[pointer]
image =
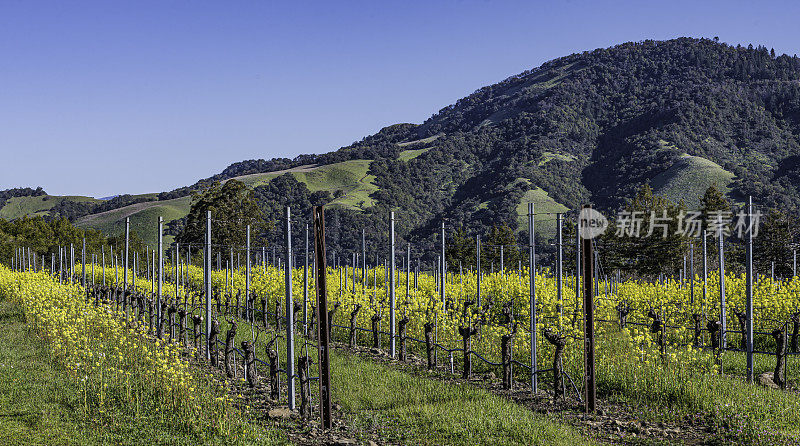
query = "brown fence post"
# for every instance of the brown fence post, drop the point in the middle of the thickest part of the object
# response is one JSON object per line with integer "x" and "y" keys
{"x": 588, "y": 261}
{"x": 376, "y": 334}
{"x": 212, "y": 342}
{"x": 466, "y": 334}
{"x": 324, "y": 329}
{"x": 305, "y": 388}
{"x": 429, "y": 344}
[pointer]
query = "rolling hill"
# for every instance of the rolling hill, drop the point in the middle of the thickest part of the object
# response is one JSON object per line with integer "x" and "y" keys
{"x": 679, "y": 115}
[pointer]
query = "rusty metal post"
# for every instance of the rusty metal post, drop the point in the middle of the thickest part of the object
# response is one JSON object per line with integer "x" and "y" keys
{"x": 322, "y": 320}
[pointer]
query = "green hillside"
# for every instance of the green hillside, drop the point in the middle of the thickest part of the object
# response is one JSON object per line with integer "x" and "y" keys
{"x": 689, "y": 178}
{"x": 408, "y": 155}
{"x": 591, "y": 127}
{"x": 17, "y": 207}
{"x": 543, "y": 204}
{"x": 144, "y": 218}
{"x": 349, "y": 178}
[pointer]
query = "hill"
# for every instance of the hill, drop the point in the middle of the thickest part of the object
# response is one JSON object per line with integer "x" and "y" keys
{"x": 589, "y": 127}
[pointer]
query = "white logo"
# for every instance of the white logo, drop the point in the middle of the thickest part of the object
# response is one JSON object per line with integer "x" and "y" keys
{"x": 592, "y": 223}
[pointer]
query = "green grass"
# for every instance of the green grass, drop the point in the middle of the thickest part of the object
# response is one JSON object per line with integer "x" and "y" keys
{"x": 427, "y": 140}
{"x": 543, "y": 203}
{"x": 741, "y": 412}
{"x": 549, "y": 156}
{"x": 144, "y": 218}
{"x": 406, "y": 408}
{"x": 409, "y": 409}
{"x": 689, "y": 178}
{"x": 349, "y": 177}
{"x": 17, "y": 207}
{"x": 40, "y": 404}
{"x": 408, "y": 155}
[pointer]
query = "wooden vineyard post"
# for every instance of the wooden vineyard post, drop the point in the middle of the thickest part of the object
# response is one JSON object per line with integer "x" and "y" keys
{"x": 305, "y": 391}
{"x": 322, "y": 321}
{"x": 588, "y": 309}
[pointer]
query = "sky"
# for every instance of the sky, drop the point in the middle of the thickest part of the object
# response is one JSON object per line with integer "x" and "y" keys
{"x": 110, "y": 97}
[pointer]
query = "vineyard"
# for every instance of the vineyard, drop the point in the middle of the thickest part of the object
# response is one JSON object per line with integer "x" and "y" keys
{"x": 669, "y": 346}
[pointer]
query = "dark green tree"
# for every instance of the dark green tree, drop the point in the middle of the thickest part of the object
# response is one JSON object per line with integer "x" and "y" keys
{"x": 461, "y": 248}
{"x": 232, "y": 208}
{"x": 646, "y": 238}
{"x": 773, "y": 243}
{"x": 499, "y": 235}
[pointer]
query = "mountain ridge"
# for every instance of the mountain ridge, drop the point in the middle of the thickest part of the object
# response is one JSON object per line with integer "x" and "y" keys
{"x": 587, "y": 127}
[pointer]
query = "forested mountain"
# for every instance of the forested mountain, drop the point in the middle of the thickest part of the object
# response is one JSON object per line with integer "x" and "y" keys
{"x": 678, "y": 115}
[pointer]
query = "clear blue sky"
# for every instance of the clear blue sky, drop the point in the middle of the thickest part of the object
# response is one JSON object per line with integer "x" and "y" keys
{"x": 108, "y": 97}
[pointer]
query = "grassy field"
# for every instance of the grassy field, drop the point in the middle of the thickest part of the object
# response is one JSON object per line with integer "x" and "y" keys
{"x": 689, "y": 178}
{"x": 410, "y": 154}
{"x": 17, "y": 207}
{"x": 427, "y": 140}
{"x": 144, "y": 218}
{"x": 740, "y": 412}
{"x": 545, "y": 225}
{"x": 549, "y": 156}
{"x": 349, "y": 177}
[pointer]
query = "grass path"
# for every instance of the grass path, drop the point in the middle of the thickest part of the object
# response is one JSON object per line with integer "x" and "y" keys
{"x": 406, "y": 408}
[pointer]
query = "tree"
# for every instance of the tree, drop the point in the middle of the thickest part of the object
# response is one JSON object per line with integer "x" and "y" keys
{"x": 713, "y": 204}
{"x": 461, "y": 249}
{"x": 772, "y": 243}
{"x": 232, "y": 208}
{"x": 44, "y": 237}
{"x": 647, "y": 238}
{"x": 499, "y": 235}
{"x": 713, "y": 201}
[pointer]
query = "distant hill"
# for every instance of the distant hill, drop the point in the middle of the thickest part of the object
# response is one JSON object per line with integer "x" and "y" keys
{"x": 679, "y": 115}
